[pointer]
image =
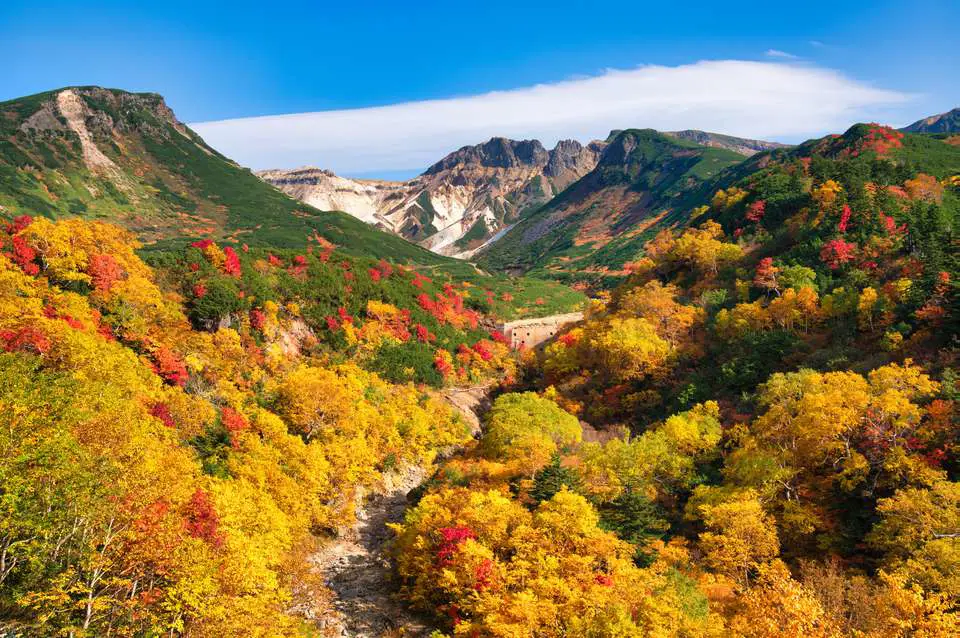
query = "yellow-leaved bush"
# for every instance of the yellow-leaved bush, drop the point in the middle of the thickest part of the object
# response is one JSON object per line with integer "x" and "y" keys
{"x": 494, "y": 568}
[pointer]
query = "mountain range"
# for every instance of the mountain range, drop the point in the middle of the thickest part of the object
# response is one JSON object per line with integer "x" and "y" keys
{"x": 458, "y": 203}
{"x": 472, "y": 196}
{"x": 575, "y": 213}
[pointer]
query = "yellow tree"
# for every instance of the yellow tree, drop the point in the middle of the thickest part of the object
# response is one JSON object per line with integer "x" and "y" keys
{"x": 740, "y": 537}
{"x": 919, "y": 531}
{"x": 626, "y": 349}
{"x": 528, "y": 429}
{"x": 777, "y": 605}
{"x": 658, "y": 304}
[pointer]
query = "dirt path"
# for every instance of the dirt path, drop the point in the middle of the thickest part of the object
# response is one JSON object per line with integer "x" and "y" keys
{"x": 356, "y": 566}
{"x": 471, "y": 402}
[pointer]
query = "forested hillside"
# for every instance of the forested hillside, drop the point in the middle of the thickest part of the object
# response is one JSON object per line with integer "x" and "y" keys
{"x": 180, "y": 439}
{"x": 768, "y": 439}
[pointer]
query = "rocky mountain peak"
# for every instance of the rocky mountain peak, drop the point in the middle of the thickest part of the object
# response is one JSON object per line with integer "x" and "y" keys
{"x": 498, "y": 152}
{"x": 571, "y": 155}
{"x": 619, "y": 148}
{"x": 106, "y": 112}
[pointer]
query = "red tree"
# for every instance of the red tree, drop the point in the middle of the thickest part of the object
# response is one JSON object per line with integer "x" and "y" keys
{"x": 837, "y": 252}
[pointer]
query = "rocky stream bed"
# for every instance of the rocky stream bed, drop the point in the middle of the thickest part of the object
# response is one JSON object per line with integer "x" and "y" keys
{"x": 356, "y": 565}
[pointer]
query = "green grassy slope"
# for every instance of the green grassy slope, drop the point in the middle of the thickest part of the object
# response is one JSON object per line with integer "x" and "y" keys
{"x": 170, "y": 186}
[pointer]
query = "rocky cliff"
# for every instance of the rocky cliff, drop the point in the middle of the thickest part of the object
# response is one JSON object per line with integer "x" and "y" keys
{"x": 458, "y": 204}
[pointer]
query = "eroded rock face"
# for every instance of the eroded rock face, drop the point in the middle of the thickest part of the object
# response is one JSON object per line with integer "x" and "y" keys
{"x": 76, "y": 114}
{"x": 459, "y": 203}
{"x": 367, "y": 200}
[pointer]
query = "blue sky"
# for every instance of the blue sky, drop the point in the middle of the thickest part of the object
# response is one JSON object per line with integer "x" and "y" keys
{"x": 220, "y": 61}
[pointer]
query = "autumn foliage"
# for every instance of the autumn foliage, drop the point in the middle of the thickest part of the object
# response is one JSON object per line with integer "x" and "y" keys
{"x": 146, "y": 488}
{"x": 755, "y": 435}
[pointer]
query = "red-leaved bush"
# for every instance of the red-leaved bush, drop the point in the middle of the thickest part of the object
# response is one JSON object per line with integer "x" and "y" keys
{"x": 837, "y": 252}
{"x": 450, "y": 539}
{"x": 201, "y": 520}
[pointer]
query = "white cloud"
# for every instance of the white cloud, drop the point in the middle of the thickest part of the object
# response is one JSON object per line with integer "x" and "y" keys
{"x": 783, "y": 55}
{"x": 769, "y": 100}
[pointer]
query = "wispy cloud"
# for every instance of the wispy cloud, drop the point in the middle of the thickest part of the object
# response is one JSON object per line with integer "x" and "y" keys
{"x": 782, "y": 55}
{"x": 751, "y": 99}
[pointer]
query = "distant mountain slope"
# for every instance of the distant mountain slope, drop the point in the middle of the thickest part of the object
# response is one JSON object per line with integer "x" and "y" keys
{"x": 739, "y": 145}
{"x": 948, "y": 122}
{"x": 643, "y": 180}
{"x": 124, "y": 157}
{"x": 465, "y": 201}
{"x": 460, "y": 202}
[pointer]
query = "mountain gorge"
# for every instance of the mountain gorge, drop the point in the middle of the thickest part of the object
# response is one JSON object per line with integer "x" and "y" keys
{"x": 460, "y": 202}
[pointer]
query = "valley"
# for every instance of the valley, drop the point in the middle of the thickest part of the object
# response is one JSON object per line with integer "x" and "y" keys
{"x": 673, "y": 384}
